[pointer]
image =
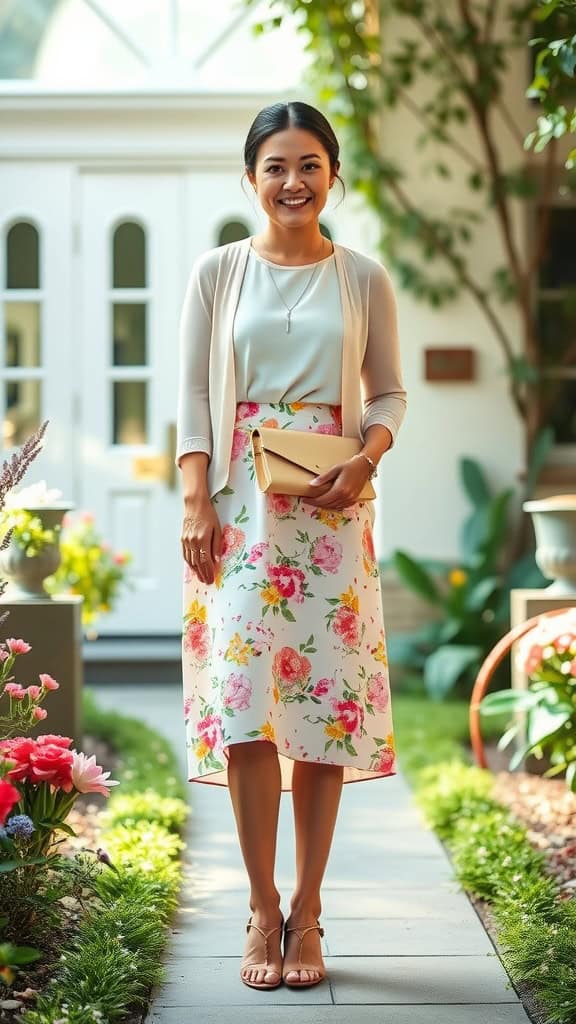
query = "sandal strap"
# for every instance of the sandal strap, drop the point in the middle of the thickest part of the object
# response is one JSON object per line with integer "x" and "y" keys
{"x": 301, "y": 932}
{"x": 265, "y": 934}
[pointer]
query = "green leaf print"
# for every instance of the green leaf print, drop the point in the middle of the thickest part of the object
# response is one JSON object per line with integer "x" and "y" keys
{"x": 227, "y": 490}
{"x": 242, "y": 516}
{"x": 254, "y": 732}
{"x": 328, "y": 745}
{"x": 349, "y": 747}
{"x": 287, "y": 614}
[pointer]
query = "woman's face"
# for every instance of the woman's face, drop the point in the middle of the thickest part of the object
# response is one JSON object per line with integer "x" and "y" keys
{"x": 292, "y": 164}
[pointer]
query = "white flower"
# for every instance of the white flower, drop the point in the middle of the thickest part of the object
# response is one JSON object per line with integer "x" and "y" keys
{"x": 35, "y": 494}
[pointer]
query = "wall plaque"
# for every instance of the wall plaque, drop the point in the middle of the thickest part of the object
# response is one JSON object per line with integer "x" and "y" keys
{"x": 449, "y": 364}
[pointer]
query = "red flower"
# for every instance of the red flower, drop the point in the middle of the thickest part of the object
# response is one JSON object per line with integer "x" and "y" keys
{"x": 290, "y": 666}
{"x": 287, "y": 580}
{"x": 386, "y": 757}
{"x": 20, "y": 750}
{"x": 246, "y": 409}
{"x": 368, "y": 543}
{"x": 232, "y": 540}
{"x": 346, "y": 625}
{"x": 52, "y": 763}
{"x": 9, "y": 796}
{"x": 350, "y": 714}
{"x": 197, "y": 640}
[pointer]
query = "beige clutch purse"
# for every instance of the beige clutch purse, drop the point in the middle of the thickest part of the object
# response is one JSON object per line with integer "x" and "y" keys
{"x": 286, "y": 460}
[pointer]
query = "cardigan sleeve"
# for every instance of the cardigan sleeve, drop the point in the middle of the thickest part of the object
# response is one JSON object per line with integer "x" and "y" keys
{"x": 384, "y": 394}
{"x": 193, "y": 427}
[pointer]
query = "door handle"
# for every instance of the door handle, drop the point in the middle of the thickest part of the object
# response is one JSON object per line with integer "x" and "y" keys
{"x": 159, "y": 467}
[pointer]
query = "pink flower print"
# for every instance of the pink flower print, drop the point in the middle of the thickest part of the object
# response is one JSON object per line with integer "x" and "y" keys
{"x": 209, "y": 729}
{"x": 322, "y": 687}
{"x": 291, "y": 671}
{"x": 377, "y": 693}
{"x": 244, "y": 410}
{"x": 288, "y": 581}
{"x": 197, "y": 640}
{"x": 386, "y": 759}
{"x": 187, "y": 706}
{"x": 240, "y": 441}
{"x": 350, "y": 714}
{"x": 327, "y": 553}
{"x": 346, "y": 625}
{"x": 280, "y": 504}
{"x": 233, "y": 540}
{"x": 326, "y": 428}
{"x": 257, "y": 551}
{"x": 237, "y": 692}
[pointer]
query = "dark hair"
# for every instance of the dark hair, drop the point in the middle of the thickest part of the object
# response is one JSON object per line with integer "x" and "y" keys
{"x": 294, "y": 114}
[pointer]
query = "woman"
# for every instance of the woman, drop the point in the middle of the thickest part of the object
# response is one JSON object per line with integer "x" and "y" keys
{"x": 284, "y": 659}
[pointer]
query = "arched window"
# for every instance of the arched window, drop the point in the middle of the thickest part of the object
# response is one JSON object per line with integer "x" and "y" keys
{"x": 129, "y": 302}
{"x": 21, "y": 352}
{"x": 232, "y": 231}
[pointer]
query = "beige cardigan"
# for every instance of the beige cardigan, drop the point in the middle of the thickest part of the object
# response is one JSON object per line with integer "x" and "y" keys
{"x": 372, "y": 387}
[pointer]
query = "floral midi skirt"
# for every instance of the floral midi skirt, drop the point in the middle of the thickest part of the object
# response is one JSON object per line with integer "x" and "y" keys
{"x": 287, "y": 646}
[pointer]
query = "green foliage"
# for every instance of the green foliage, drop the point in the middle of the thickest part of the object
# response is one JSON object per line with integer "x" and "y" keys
{"x": 27, "y": 531}
{"x": 490, "y": 853}
{"x": 449, "y": 791}
{"x": 131, "y": 808}
{"x": 554, "y": 74}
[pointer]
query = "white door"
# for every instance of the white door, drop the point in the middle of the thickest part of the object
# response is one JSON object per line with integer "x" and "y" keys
{"x": 132, "y": 280}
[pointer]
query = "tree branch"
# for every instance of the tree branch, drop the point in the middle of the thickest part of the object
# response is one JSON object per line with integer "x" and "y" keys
{"x": 448, "y": 140}
{"x": 543, "y": 220}
{"x": 510, "y": 123}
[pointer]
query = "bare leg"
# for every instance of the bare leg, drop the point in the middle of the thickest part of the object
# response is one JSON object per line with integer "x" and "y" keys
{"x": 254, "y": 783}
{"x": 316, "y": 791}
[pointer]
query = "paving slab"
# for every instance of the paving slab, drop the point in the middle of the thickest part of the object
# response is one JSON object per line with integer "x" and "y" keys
{"x": 403, "y": 943}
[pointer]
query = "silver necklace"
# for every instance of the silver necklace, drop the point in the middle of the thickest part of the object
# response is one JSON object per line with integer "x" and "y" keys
{"x": 293, "y": 306}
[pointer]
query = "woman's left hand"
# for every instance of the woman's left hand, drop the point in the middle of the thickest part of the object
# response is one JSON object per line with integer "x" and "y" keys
{"x": 348, "y": 479}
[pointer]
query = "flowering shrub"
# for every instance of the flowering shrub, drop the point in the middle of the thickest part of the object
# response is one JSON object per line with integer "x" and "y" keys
{"x": 24, "y": 702}
{"x": 88, "y": 567}
{"x": 547, "y": 654}
{"x": 28, "y": 532}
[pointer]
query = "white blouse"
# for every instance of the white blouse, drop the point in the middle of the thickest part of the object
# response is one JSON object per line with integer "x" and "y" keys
{"x": 304, "y": 364}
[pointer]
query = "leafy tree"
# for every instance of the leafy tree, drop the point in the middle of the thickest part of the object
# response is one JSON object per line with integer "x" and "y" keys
{"x": 556, "y": 59}
{"x": 446, "y": 64}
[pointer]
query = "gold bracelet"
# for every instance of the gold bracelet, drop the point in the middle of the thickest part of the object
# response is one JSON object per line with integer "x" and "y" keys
{"x": 373, "y": 466}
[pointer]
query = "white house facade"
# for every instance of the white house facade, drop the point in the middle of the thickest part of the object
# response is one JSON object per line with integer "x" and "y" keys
{"x": 119, "y": 163}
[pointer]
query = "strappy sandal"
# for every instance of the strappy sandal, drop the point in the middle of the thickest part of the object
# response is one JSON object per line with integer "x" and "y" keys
{"x": 301, "y": 932}
{"x": 263, "y": 964}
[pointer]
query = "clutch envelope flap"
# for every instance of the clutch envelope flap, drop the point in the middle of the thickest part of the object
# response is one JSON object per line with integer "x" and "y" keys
{"x": 316, "y": 452}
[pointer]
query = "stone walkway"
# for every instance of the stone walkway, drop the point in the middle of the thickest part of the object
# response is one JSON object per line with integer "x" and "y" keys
{"x": 403, "y": 943}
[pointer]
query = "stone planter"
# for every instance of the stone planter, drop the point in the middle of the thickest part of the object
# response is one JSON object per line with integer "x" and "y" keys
{"x": 26, "y": 575}
{"x": 555, "y": 528}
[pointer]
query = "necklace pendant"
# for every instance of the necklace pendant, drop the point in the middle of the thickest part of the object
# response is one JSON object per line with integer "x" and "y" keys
{"x": 288, "y": 322}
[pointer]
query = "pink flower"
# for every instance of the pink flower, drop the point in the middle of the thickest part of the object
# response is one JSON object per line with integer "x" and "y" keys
{"x": 322, "y": 687}
{"x": 120, "y": 558}
{"x": 209, "y": 729}
{"x": 386, "y": 758}
{"x": 256, "y": 552}
{"x": 246, "y": 409}
{"x": 233, "y": 540}
{"x": 39, "y": 713}
{"x": 377, "y": 693}
{"x": 34, "y": 692}
{"x": 56, "y": 741}
{"x": 87, "y": 518}
{"x": 9, "y": 796}
{"x": 350, "y": 714}
{"x": 562, "y": 643}
{"x": 48, "y": 682}
{"x": 346, "y": 625}
{"x": 289, "y": 667}
{"x": 327, "y": 553}
{"x": 237, "y": 692}
{"x": 326, "y": 428}
{"x": 197, "y": 640}
{"x": 288, "y": 581}
{"x": 15, "y": 691}
{"x": 280, "y": 504}
{"x": 187, "y": 706}
{"x": 88, "y": 777}
{"x": 17, "y": 646}
{"x": 4, "y": 655}
{"x": 240, "y": 441}
{"x": 14, "y": 688}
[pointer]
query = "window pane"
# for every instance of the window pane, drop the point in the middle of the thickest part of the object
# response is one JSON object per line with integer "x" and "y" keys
{"x": 22, "y": 415}
{"x": 22, "y": 260}
{"x": 557, "y": 331}
{"x": 22, "y": 334}
{"x": 129, "y": 329}
{"x": 129, "y": 257}
{"x": 558, "y": 268}
{"x": 130, "y": 414}
{"x": 562, "y": 415}
{"x": 232, "y": 231}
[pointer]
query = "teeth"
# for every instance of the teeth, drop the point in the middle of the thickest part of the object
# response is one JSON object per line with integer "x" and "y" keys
{"x": 294, "y": 202}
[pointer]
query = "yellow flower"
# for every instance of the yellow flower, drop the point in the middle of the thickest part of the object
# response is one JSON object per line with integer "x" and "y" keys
{"x": 267, "y": 730}
{"x": 237, "y": 651}
{"x": 330, "y": 518}
{"x": 336, "y": 731}
{"x": 458, "y": 577}
{"x": 270, "y": 595}
{"x": 350, "y": 599}
{"x": 202, "y": 749}
{"x": 197, "y": 612}
{"x": 297, "y": 405}
{"x": 379, "y": 653}
{"x": 390, "y": 740}
{"x": 275, "y": 693}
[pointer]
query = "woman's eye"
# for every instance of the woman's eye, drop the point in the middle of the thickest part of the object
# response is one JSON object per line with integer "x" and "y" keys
{"x": 274, "y": 167}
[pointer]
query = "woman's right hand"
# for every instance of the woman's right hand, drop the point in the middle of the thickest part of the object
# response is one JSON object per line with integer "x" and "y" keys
{"x": 202, "y": 539}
